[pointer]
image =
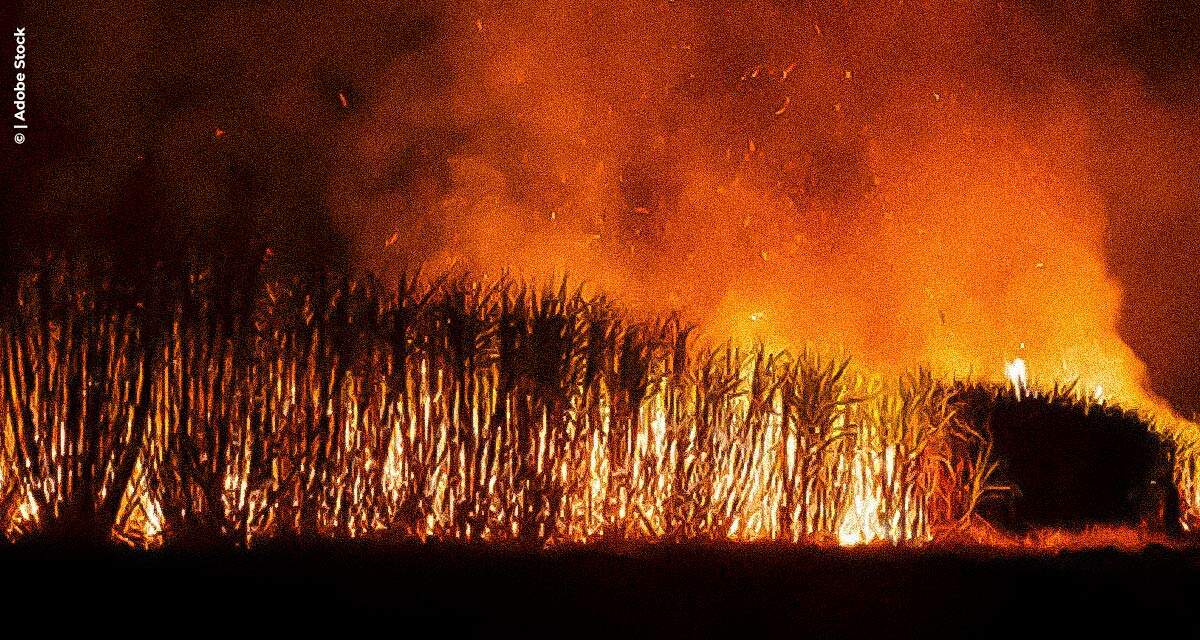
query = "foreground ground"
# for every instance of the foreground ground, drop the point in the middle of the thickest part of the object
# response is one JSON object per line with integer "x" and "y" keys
{"x": 692, "y": 591}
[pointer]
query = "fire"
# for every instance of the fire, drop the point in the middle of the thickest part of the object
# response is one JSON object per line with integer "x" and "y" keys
{"x": 855, "y": 178}
{"x": 1017, "y": 375}
{"x": 811, "y": 184}
{"x": 862, "y": 523}
{"x": 490, "y": 412}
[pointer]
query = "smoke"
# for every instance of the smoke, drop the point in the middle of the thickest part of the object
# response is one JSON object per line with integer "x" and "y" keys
{"x": 937, "y": 182}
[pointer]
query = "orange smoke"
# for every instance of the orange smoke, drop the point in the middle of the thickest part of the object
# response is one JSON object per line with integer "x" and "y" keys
{"x": 908, "y": 180}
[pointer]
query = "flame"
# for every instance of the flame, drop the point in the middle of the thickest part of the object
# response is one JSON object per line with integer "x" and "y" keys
{"x": 863, "y": 522}
{"x": 1017, "y": 375}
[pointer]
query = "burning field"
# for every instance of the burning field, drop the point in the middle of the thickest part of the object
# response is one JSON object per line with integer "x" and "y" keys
{"x": 570, "y": 284}
{"x": 193, "y": 411}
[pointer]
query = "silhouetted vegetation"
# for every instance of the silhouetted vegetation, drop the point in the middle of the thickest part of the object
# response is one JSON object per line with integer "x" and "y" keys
{"x": 1072, "y": 461}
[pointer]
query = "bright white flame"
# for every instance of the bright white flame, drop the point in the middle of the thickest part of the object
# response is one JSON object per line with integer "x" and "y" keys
{"x": 1015, "y": 371}
{"x": 865, "y": 522}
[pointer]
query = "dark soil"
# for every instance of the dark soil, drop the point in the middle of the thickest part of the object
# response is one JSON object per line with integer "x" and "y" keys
{"x": 730, "y": 591}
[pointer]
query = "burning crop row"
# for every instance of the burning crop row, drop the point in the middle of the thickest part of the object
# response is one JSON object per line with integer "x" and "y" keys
{"x": 182, "y": 412}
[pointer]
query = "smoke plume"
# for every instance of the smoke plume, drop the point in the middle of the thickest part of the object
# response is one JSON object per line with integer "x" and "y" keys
{"x": 954, "y": 183}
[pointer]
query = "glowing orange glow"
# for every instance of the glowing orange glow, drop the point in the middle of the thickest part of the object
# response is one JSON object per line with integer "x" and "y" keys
{"x": 924, "y": 215}
{"x": 796, "y": 185}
